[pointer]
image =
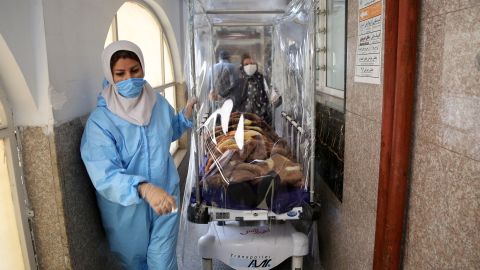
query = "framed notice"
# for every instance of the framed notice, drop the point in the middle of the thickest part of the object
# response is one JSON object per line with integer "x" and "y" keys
{"x": 369, "y": 46}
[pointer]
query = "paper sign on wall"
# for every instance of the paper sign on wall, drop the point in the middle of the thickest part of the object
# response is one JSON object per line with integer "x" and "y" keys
{"x": 369, "y": 46}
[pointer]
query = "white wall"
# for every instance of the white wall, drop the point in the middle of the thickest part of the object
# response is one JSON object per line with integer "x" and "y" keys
{"x": 23, "y": 61}
{"x": 75, "y": 35}
{"x": 173, "y": 26}
{"x": 57, "y": 47}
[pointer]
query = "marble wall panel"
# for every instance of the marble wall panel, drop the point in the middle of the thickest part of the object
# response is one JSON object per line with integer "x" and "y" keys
{"x": 346, "y": 232}
{"x": 42, "y": 189}
{"x": 329, "y": 227}
{"x": 361, "y": 98}
{"x": 444, "y": 210}
{"x": 443, "y": 214}
{"x": 347, "y": 229}
{"x": 352, "y": 19}
{"x": 362, "y": 158}
{"x": 358, "y": 237}
{"x": 435, "y": 7}
{"x": 449, "y": 88}
{"x": 87, "y": 242}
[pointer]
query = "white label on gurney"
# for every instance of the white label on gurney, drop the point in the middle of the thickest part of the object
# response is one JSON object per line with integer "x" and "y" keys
{"x": 250, "y": 262}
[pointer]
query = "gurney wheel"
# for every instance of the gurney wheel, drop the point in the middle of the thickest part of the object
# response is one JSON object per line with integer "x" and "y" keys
{"x": 297, "y": 262}
{"x": 207, "y": 264}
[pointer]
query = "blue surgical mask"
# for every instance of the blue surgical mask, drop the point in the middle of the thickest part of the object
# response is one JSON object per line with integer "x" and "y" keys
{"x": 130, "y": 88}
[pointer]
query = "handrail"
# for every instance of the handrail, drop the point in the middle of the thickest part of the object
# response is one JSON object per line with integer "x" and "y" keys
{"x": 401, "y": 19}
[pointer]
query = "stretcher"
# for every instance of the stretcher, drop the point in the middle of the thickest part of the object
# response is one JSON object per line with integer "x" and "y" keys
{"x": 249, "y": 179}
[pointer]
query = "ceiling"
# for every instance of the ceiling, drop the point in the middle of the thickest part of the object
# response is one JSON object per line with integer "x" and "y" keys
{"x": 241, "y": 12}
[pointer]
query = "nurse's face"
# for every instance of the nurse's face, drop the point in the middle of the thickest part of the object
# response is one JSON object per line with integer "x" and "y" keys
{"x": 126, "y": 68}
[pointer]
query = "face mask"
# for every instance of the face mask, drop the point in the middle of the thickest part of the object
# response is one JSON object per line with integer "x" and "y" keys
{"x": 250, "y": 69}
{"x": 130, "y": 88}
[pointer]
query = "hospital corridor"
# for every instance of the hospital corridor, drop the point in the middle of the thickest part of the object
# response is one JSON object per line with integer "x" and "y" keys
{"x": 239, "y": 134}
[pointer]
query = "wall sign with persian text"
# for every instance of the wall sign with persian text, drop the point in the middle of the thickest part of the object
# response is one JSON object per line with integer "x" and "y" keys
{"x": 368, "y": 64}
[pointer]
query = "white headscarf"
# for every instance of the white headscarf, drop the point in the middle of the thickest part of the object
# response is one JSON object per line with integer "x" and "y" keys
{"x": 136, "y": 110}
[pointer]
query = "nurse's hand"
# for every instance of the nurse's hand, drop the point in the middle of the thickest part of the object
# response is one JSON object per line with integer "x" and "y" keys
{"x": 189, "y": 108}
{"x": 160, "y": 201}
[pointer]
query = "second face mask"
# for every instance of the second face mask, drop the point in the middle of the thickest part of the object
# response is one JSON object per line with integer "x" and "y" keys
{"x": 250, "y": 69}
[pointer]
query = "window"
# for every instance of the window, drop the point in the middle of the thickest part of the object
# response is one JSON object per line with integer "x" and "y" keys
{"x": 3, "y": 118}
{"x": 335, "y": 73}
{"x": 331, "y": 50}
{"x": 330, "y": 57}
{"x": 148, "y": 34}
{"x": 16, "y": 248}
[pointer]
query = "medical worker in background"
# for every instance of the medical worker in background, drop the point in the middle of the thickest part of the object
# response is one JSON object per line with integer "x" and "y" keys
{"x": 225, "y": 76}
{"x": 125, "y": 148}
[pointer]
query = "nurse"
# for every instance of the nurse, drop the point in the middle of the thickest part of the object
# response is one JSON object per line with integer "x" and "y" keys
{"x": 125, "y": 148}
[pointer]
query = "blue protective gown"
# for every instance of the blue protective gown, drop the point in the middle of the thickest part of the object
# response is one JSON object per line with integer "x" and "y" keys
{"x": 118, "y": 156}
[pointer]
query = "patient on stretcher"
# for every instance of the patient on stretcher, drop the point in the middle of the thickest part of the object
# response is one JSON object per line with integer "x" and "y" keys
{"x": 260, "y": 170}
